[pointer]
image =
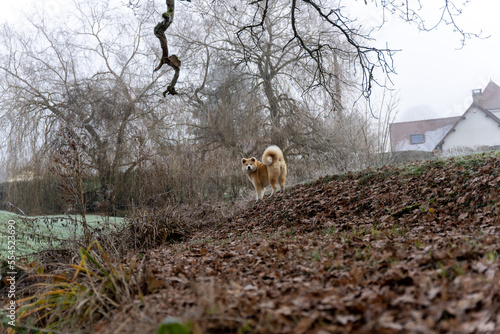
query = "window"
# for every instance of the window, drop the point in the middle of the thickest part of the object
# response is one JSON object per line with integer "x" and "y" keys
{"x": 417, "y": 139}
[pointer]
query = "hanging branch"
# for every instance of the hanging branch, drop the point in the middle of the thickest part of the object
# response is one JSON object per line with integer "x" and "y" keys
{"x": 172, "y": 61}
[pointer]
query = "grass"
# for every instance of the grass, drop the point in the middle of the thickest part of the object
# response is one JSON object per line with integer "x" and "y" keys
{"x": 35, "y": 234}
{"x": 492, "y": 256}
{"x": 64, "y": 301}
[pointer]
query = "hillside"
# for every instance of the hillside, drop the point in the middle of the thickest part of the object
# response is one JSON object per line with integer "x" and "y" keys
{"x": 413, "y": 248}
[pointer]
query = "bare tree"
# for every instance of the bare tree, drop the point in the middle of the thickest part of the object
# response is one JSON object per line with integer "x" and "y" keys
{"x": 372, "y": 65}
{"x": 276, "y": 76}
{"x": 87, "y": 73}
{"x": 228, "y": 112}
{"x": 350, "y": 37}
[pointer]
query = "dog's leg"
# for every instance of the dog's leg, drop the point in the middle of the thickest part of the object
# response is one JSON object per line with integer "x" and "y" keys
{"x": 274, "y": 189}
{"x": 282, "y": 182}
{"x": 260, "y": 193}
{"x": 282, "y": 176}
{"x": 273, "y": 180}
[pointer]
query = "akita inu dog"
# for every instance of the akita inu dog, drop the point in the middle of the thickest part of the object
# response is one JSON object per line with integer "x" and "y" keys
{"x": 270, "y": 171}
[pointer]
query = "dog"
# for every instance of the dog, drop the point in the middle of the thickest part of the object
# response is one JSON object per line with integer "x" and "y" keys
{"x": 271, "y": 171}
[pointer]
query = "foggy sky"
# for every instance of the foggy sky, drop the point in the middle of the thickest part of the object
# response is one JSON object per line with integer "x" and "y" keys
{"x": 434, "y": 76}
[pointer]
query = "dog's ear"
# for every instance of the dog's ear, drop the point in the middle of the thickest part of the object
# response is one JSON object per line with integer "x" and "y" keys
{"x": 243, "y": 160}
{"x": 253, "y": 159}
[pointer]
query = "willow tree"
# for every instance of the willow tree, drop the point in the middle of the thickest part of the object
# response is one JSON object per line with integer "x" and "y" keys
{"x": 88, "y": 72}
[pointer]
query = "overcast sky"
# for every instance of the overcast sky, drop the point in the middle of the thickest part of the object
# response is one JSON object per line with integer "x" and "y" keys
{"x": 434, "y": 76}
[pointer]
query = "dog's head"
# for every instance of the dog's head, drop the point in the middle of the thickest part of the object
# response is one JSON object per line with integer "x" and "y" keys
{"x": 249, "y": 165}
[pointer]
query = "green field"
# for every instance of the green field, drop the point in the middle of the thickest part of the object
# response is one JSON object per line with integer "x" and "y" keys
{"x": 37, "y": 233}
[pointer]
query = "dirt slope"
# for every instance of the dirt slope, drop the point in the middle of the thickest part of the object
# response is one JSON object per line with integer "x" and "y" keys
{"x": 409, "y": 249}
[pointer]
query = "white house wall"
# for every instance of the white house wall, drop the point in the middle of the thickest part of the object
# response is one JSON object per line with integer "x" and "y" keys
{"x": 477, "y": 129}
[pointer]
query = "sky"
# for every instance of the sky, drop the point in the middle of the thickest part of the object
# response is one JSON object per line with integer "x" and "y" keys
{"x": 435, "y": 75}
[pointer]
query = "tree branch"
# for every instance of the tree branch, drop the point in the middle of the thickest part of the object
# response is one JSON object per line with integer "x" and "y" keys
{"x": 172, "y": 61}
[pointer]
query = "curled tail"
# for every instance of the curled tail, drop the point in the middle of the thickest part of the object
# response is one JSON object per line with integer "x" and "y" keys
{"x": 271, "y": 155}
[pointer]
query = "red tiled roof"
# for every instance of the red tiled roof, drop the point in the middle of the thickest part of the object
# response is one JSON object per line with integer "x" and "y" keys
{"x": 490, "y": 97}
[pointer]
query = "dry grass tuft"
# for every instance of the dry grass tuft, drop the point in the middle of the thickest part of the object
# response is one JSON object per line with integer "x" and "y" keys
{"x": 80, "y": 294}
{"x": 151, "y": 227}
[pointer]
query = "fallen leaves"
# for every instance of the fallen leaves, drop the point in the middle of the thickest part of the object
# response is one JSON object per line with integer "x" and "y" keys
{"x": 398, "y": 249}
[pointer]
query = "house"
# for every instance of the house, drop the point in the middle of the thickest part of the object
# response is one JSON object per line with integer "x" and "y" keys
{"x": 476, "y": 130}
{"x": 421, "y": 135}
{"x": 479, "y": 127}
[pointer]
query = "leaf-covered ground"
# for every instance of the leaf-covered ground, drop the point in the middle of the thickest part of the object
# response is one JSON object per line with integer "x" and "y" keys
{"x": 413, "y": 248}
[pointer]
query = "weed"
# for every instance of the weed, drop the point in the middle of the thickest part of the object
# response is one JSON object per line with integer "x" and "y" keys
{"x": 443, "y": 273}
{"x": 245, "y": 328}
{"x": 67, "y": 302}
{"x": 375, "y": 231}
{"x": 346, "y": 236}
{"x": 397, "y": 230}
{"x": 334, "y": 267}
{"x": 173, "y": 326}
{"x": 415, "y": 170}
{"x": 330, "y": 231}
{"x": 458, "y": 269}
{"x": 367, "y": 176}
{"x": 474, "y": 244}
{"x": 316, "y": 256}
{"x": 492, "y": 256}
{"x": 327, "y": 178}
{"x": 330, "y": 254}
{"x": 360, "y": 256}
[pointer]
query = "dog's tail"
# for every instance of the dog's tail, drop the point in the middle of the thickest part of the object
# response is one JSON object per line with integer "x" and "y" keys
{"x": 271, "y": 155}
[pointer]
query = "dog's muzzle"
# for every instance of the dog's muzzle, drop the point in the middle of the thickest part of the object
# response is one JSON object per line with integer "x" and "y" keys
{"x": 249, "y": 167}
